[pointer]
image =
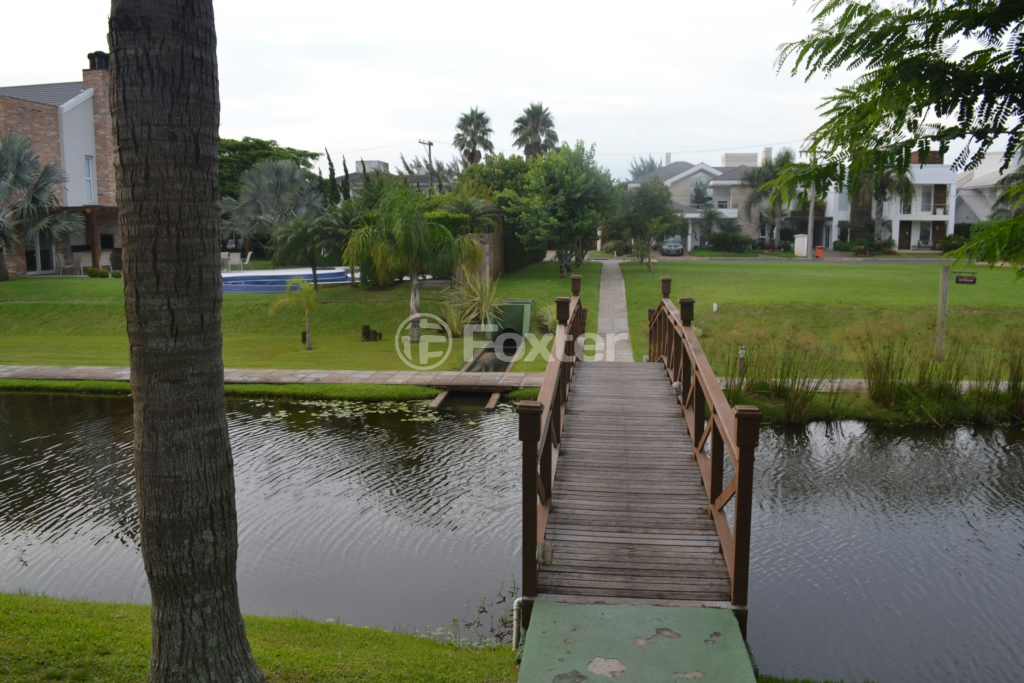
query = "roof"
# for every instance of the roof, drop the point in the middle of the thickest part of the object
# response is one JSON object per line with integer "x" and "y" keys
{"x": 664, "y": 173}
{"x": 730, "y": 173}
{"x": 54, "y": 94}
{"x": 987, "y": 180}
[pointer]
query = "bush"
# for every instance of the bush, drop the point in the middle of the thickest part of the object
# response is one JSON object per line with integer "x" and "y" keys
{"x": 962, "y": 229}
{"x": 951, "y": 242}
{"x": 456, "y": 223}
{"x": 735, "y": 244}
{"x": 116, "y": 274}
{"x": 548, "y": 319}
{"x": 785, "y": 245}
{"x": 844, "y": 230}
{"x": 866, "y": 247}
{"x": 103, "y": 273}
{"x": 618, "y": 247}
{"x": 93, "y": 272}
{"x": 786, "y": 234}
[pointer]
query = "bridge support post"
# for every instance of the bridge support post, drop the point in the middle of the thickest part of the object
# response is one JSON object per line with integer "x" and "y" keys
{"x": 686, "y": 315}
{"x": 748, "y": 424}
{"x": 529, "y": 433}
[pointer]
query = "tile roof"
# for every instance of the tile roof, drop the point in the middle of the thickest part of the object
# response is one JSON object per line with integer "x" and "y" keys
{"x": 730, "y": 173}
{"x": 665, "y": 172}
{"x": 45, "y": 93}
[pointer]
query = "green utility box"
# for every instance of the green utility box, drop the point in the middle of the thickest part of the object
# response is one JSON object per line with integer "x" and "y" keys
{"x": 515, "y": 315}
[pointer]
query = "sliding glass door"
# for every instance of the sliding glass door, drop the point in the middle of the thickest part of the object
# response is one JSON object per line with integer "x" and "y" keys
{"x": 38, "y": 256}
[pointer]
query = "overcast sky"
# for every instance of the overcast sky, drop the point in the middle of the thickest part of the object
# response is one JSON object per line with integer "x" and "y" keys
{"x": 369, "y": 79}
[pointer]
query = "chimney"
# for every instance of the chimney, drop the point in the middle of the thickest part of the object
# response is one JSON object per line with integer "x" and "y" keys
{"x": 668, "y": 158}
{"x": 99, "y": 60}
{"x": 766, "y": 156}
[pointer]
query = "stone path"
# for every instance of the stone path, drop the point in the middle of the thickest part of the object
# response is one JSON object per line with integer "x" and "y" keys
{"x": 466, "y": 381}
{"x": 611, "y": 315}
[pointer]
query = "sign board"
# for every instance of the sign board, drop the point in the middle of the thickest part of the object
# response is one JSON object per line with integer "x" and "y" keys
{"x": 966, "y": 280}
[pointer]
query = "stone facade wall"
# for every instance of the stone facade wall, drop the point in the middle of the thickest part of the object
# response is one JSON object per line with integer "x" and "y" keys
{"x": 35, "y": 121}
{"x": 99, "y": 81}
{"x": 737, "y": 195}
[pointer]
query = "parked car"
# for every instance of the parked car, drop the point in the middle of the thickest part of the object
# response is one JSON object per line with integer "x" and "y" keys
{"x": 673, "y": 246}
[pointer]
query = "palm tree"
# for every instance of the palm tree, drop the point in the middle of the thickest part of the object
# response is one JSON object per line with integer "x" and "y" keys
{"x": 534, "y": 131}
{"x": 709, "y": 218}
{"x": 882, "y": 183}
{"x": 274, "y": 192}
{"x": 310, "y": 235}
{"x": 481, "y": 212}
{"x": 28, "y": 199}
{"x": 473, "y": 133}
{"x": 163, "y": 68}
{"x": 761, "y": 197}
{"x": 398, "y": 240}
{"x": 303, "y": 296}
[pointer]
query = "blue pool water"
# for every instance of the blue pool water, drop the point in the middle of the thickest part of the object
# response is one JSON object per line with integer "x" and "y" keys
{"x": 275, "y": 282}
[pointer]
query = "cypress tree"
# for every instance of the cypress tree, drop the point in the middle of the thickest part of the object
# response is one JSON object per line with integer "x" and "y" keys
{"x": 346, "y": 192}
{"x": 333, "y": 194}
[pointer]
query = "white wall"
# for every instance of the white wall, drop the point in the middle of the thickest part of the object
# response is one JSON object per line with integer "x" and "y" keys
{"x": 77, "y": 141}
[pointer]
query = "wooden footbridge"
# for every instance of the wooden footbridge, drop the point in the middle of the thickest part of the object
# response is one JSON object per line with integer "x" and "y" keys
{"x": 637, "y": 477}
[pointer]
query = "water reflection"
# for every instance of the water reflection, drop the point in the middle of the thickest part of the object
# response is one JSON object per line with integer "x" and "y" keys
{"x": 368, "y": 513}
{"x": 888, "y": 554}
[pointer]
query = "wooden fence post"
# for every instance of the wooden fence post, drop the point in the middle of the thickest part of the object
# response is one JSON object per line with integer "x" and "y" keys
{"x": 686, "y": 311}
{"x": 666, "y": 287}
{"x": 576, "y": 279}
{"x": 748, "y": 425}
{"x": 529, "y": 433}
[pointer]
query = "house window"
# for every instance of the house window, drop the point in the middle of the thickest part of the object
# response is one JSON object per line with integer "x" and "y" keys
{"x": 926, "y": 199}
{"x": 106, "y": 241}
{"x": 844, "y": 201}
{"x": 90, "y": 192}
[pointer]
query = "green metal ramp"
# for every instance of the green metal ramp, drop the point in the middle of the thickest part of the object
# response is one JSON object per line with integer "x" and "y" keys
{"x": 576, "y": 643}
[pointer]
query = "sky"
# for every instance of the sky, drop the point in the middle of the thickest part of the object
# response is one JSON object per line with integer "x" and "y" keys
{"x": 369, "y": 79}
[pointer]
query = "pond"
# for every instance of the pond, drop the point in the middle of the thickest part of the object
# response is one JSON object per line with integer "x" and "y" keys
{"x": 878, "y": 553}
{"x": 356, "y": 512}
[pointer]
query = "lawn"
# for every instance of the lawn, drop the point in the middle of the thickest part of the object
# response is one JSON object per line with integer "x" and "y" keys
{"x": 80, "y": 321}
{"x": 828, "y": 307}
{"x": 48, "y": 639}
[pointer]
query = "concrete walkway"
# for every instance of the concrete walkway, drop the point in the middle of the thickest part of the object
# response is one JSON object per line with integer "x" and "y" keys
{"x": 466, "y": 381}
{"x": 611, "y": 314}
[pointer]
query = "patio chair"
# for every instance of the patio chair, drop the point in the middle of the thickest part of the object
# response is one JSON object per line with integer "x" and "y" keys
{"x": 84, "y": 261}
{"x": 223, "y": 260}
{"x": 65, "y": 264}
{"x": 234, "y": 259}
{"x": 245, "y": 263}
{"x": 105, "y": 261}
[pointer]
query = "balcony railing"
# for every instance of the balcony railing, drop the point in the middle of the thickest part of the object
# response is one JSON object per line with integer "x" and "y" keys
{"x": 926, "y": 208}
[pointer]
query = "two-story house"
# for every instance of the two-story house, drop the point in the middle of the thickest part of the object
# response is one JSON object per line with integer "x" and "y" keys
{"x": 723, "y": 187}
{"x": 917, "y": 224}
{"x": 69, "y": 125}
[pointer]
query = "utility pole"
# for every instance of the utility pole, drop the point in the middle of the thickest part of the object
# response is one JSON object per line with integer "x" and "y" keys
{"x": 940, "y": 324}
{"x": 430, "y": 162}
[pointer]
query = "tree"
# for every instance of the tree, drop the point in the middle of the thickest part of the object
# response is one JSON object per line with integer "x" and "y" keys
{"x": 346, "y": 187}
{"x": 332, "y": 193}
{"x": 302, "y": 296}
{"x": 238, "y": 156}
{"x": 759, "y": 179}
{"x": 534, "y": 131}
{"x": 647, "y": 216}
{"x": 882, "y": 182}
{"x": 398, "y": 240}
{"x": 163, "y": 68}
{"x": 640, "y": 166}
{"x": 473, "y": 133}
{"x": 29, "y": 207}
{"x": 309, "y": 235}
{"x": 708, "y": 220}
{"x": 274, "y": 192}
{"x": 934, "y": 72}
{"x": 573, "y": 198}
{"x": 497, "y": 173}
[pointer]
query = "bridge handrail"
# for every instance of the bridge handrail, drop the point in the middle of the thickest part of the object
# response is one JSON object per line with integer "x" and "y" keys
{"x": 540, "y": 430}
{"x": 732, "y": 431}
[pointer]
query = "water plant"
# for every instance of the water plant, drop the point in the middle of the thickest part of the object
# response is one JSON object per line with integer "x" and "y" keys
{"x": 1014, "y": 361}
{"x": 887, "y": 368}
{"x": 984, "y": 393}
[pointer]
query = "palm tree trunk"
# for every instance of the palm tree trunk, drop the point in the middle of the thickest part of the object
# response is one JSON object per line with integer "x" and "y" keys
{"x": 878, "y": 219}
{"x": 309, "y": 332}
{"x": 4, "y": 275}
{"x": 414, "y": 309}
{"x": 164, "y": 68}
{"x": 312, "y": 264}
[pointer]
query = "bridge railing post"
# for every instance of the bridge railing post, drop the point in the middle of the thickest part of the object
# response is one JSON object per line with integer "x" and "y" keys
{"x": 529, "y": 433}
{"x": 686, "y": 315}
{"x": 748, "y": 424}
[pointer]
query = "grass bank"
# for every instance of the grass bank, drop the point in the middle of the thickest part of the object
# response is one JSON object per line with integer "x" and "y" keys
{"x": 49, "y": 639}
{"x": 336, "y": 392}
{"x": 80, "y": 321}
{"x": 827, "y": 308}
